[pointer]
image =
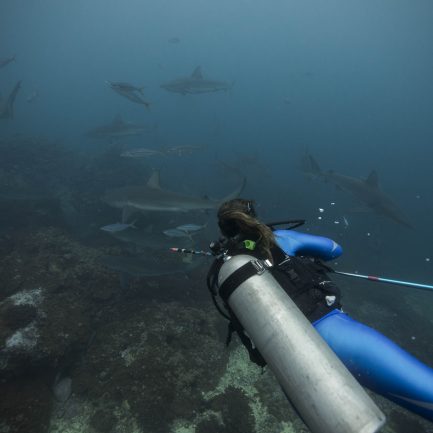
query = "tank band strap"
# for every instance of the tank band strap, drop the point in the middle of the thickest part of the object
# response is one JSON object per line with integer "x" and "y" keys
{"x": 249, "y": 269}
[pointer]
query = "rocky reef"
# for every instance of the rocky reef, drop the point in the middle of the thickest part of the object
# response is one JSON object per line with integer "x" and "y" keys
{"x": 79, "y": 353}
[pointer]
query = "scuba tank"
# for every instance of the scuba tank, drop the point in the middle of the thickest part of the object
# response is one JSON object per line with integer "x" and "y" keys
{"x": 323, "y": 391}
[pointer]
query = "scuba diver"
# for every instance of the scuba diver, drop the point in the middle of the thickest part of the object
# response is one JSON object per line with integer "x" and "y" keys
{"x": 295, "y": 260}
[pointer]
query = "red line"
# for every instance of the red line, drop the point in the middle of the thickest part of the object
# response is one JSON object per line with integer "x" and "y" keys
{"x": 371, "y": 277}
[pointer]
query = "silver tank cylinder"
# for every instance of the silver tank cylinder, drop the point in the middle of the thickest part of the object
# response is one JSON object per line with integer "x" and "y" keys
{"x": 325, "y": 393}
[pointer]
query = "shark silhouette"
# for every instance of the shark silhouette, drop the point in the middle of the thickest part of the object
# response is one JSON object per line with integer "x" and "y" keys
{"x": 152, "y": 197}
{"x": 366, "y": 191}
{"x": 195, "y": 84}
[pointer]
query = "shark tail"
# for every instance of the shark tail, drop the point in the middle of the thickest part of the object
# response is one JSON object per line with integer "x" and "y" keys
{"x": 236, "y": 193}
{"x": 310, "y": 166}
{"x": 132, "y": 225}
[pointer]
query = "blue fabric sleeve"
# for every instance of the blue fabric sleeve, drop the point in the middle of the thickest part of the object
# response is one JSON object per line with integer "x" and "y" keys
{"x": 303, "y": 244}
{"x": 378, "y": 363}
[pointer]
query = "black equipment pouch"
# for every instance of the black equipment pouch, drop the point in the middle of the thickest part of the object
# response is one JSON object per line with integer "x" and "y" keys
{"x": 307, "y": 283}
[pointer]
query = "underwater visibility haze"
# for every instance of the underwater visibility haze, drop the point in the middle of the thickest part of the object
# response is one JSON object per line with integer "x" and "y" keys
{"x": 123, "y": 127}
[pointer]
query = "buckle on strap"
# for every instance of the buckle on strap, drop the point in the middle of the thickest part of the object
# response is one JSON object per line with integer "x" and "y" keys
{"x": 261, "y": 265}
{"x": 248, "y": 270}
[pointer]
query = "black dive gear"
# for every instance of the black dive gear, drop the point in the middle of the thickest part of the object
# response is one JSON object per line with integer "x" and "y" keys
{"x": 304, "y": 279}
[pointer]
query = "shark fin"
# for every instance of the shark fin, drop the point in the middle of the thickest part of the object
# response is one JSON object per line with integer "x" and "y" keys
{"x": 197, "y": 75}
{"x": 372, "y": 179}
{"x": 153, "y": 181}
{"x": 132, "y": 225}
{"x": 314, "y": 166}
{"x": 127, "y": 211}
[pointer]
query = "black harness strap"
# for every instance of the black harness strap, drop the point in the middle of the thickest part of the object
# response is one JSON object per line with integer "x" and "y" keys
{"x": 242, "y": 274}
{"x": 211, "y": 280}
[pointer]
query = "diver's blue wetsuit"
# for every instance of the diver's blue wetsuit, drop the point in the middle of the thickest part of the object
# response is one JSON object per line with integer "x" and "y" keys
{"x": 376, "y": 361}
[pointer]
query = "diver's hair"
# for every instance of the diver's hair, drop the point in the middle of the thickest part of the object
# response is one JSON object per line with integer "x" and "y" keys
{"x": 238, "y": 216}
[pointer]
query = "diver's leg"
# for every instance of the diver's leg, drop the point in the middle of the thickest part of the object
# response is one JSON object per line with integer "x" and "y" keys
{"x": 379, "y": 363}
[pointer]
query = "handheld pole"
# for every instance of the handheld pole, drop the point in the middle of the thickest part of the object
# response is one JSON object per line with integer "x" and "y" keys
{"x": 347, "y": 274}
{"x": 386, "y": 280}
{"x": 187, "y": 251}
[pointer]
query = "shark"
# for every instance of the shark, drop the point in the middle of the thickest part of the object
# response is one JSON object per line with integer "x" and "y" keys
{"x": 117, "y": 128}
{"x": 7, "y": 106}
{"x": 152, "y": 197}
{"x": 5, "y": 61}
{"x": 366, "y": 191}
{"x": 196, "y": 84}
{"x": 129, "y": 91}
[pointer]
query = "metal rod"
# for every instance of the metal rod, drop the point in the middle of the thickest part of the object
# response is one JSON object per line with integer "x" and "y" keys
{"x": 347, "y": 274}
{"x": 187, "y": 251}
{"x": 387, "y": 280}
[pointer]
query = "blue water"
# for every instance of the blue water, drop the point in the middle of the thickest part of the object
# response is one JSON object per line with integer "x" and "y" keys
{"x": 350, "y": 82}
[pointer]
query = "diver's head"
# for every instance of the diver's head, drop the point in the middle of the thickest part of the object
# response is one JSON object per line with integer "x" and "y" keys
{"x": 237, "y": 221}
{"x": 233, "y": 215}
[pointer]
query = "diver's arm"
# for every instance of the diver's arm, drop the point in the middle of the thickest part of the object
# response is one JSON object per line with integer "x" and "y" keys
{"x": 303, "y": 244}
